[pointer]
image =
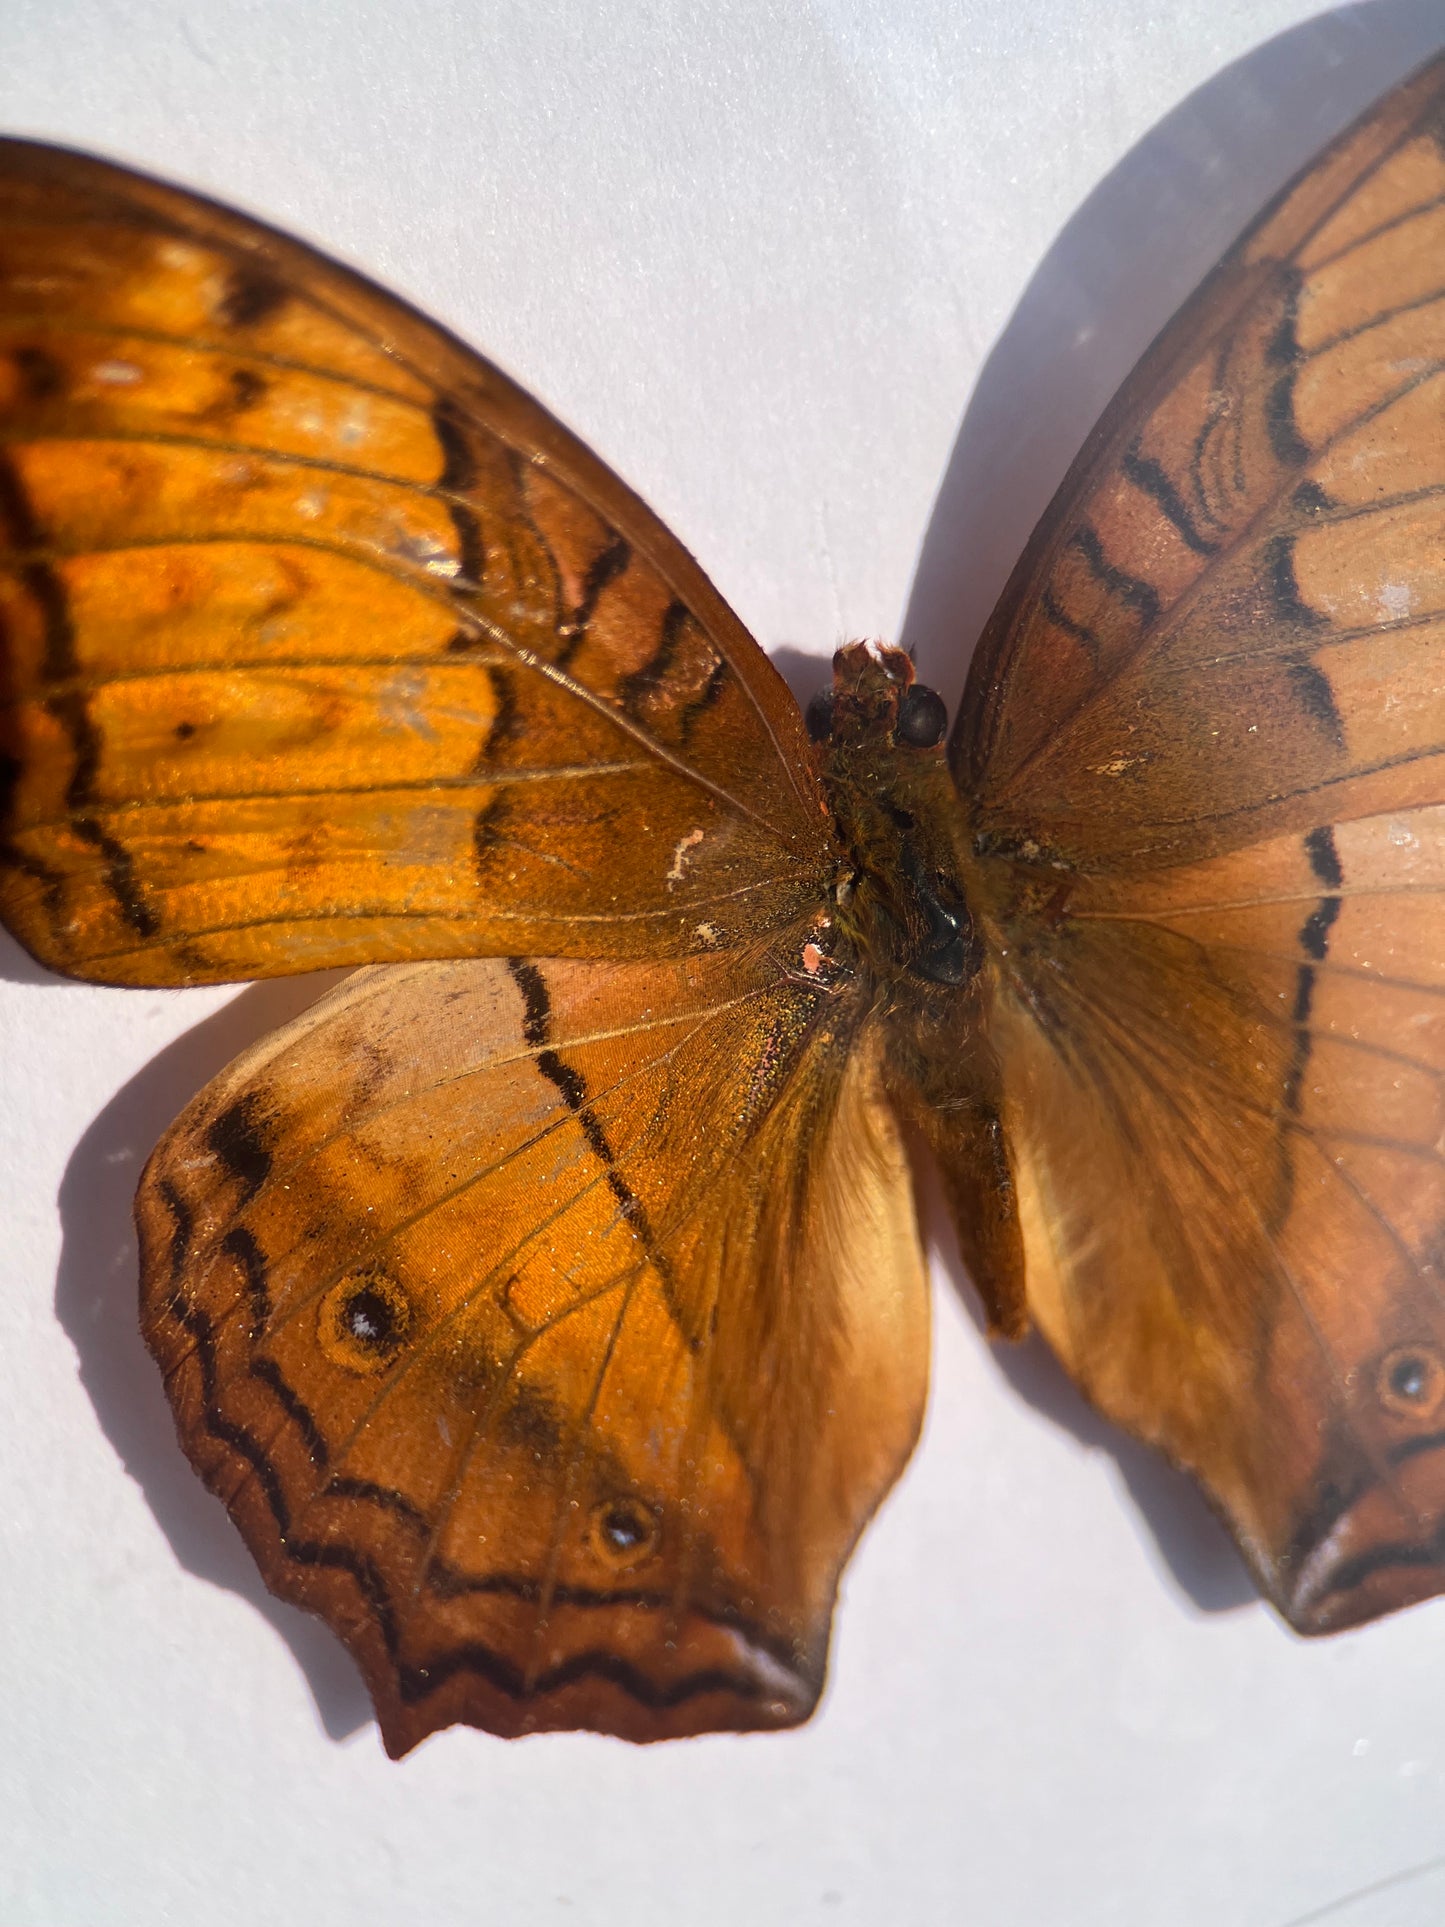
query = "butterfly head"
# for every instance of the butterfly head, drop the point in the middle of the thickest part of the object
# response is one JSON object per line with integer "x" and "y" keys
{"x": 879, "y": 737}
{"x": 875, "y": 700}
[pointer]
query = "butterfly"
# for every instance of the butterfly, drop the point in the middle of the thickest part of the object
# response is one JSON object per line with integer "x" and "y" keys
{"x": 547, "y": 1303}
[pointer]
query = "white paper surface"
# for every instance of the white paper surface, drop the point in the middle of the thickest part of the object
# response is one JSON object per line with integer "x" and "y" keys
{"x": 839, "y": 286}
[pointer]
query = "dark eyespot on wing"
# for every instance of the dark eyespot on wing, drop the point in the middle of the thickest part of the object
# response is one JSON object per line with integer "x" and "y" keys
{"x": 623, "y": 1532}
{"x": 1410, "y": 1383}
{"x": 370, "y": 1320}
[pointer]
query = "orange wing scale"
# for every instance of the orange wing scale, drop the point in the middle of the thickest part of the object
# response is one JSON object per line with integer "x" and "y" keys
{"x": 326, "y": 645}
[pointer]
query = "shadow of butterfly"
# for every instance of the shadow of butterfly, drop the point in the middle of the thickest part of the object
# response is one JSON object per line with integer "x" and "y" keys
{"x": 547, "y": 1303}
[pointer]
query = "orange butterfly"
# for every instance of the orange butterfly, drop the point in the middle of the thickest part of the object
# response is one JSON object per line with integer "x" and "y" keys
{"x": 548, "y": 1307}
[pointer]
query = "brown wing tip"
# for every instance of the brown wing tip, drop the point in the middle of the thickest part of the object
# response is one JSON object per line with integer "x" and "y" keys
{"x": 1368, "y": 1552}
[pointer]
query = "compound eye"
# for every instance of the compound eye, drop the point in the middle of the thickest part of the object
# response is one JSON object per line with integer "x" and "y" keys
{"x": 922, "y": 717}
{"x": 818, "y": 716}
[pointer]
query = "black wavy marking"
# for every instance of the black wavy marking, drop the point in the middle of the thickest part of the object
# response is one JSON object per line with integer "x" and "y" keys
{"x": 1314, "y": 940}
{"x": 240, "y": 1245}
{"x": 606, "y": 566}
{"x": 1310, "y": 499}
{"x": 295, "y": 1408}
{"x": 1412, "y": 1448}
{"x": 506, "y": 725}
{"x": 634, "y": 689}
{"x": 41, "y": 376}
{"x": 1336, "y": 1500}
{"x": 1061, "y": 619}
{"x": 415, "y": 1683}
{"x": 1317, "y": 696}
{"x": 1285, "y": 353}
{"x": 451, "y": 1584}
{"x": 459, "y": 473}
{"x": 384, "y": 1496}
{"x": 252, "y": 295}
{"x": 183, "y": 1227}
{"x": 248, "y": 386}
{"x": 47, "y": 591}
{"x": 507, "y": 722}
{"x": 1151, "y": 479}
{"x": 712, "y": 689}
{"x": 1312, "y": 687}
{"x": 236, "y": 1139}
{"x": 1289, "y": 605}
{"x": 536, "y": 1031}
{"x": 1132, "y": 590}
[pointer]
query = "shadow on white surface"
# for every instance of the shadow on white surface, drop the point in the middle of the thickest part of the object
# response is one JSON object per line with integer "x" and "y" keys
{"x": 1193, "y": 1545}
{"x": 95, "y": 1300}
{"x": 1372, "y": 1906}
{"x": 804, "y": 672}
{"x": 17, "y": 966}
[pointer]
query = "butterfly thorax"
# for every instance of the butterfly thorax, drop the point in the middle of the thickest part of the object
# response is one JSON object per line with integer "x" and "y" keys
{"x": 899, "y": 901}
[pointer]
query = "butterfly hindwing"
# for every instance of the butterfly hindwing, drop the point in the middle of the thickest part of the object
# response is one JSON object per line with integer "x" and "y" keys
{"x": 552, "y": 1329}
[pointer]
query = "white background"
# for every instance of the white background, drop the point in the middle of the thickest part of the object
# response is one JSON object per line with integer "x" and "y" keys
{"x": 839, "y": 285}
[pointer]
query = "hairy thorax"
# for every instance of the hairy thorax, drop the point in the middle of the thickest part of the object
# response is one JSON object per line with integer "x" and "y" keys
{"x": 900, "y": 903}
{"x": 905, "y": 918}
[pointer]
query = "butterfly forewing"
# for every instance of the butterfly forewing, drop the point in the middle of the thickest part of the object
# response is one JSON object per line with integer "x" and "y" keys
{"x": 552, "y": 1328}
{"x": 325, "y": 644}
{"x": 1195, "y": 650}
{"x": 1205, "y": 748}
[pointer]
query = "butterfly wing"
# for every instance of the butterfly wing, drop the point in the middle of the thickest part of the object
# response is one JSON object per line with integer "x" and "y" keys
{"x": 1192, "y": 652}
{"x": 1204, "y": 750}
{"x": 324, "y": 644}
{"x": 552, "y": 1328}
